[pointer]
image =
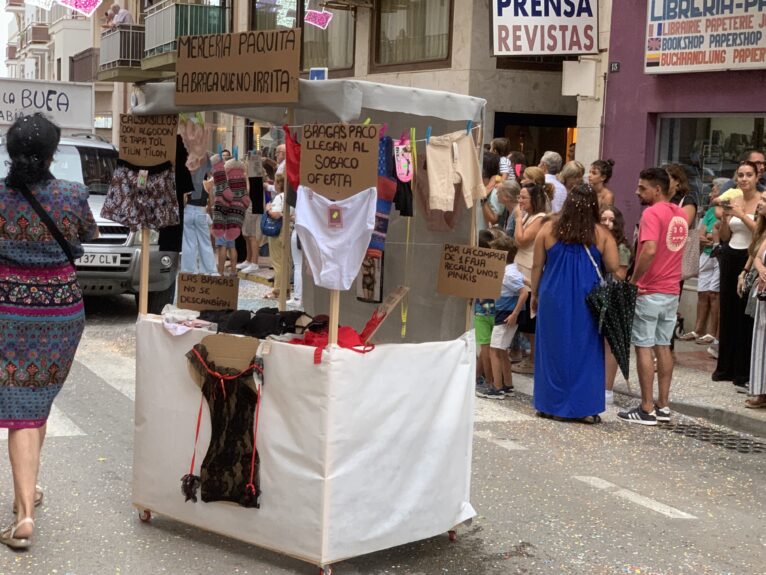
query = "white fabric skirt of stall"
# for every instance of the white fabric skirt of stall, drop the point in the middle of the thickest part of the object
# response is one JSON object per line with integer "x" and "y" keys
{"x": 360, "y": 453}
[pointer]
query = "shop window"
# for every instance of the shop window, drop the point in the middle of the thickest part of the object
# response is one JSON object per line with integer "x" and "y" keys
{"x": 412, "y": 35}
{"x": 708, "y": 147}
{"x": 331, "y": 48}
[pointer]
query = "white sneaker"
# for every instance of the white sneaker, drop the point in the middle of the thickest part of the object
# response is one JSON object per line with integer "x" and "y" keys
{"x": 243, "y": 265}
{"x": 251, "y": 269}
{"x": 294, "y": 301}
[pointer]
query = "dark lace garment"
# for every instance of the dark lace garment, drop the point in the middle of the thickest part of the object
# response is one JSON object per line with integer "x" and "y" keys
{"x": 229, "y": 471}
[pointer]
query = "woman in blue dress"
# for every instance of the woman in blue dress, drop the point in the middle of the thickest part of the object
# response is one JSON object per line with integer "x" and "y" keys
{"x": 569, "y": 359}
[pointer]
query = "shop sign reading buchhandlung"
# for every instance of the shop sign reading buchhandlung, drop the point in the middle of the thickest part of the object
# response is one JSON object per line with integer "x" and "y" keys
{"x": 544, "y": 27}
{"x": 255, "y": 67}
{"x": 704, "y": 36}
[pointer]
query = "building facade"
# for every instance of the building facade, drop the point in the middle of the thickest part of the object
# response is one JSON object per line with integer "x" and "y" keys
{"x": 703, "y": 120}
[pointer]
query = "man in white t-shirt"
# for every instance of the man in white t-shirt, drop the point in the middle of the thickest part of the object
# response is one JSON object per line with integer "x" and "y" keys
{"x": 550, "y": 163}
{"x": 120, "y": 16}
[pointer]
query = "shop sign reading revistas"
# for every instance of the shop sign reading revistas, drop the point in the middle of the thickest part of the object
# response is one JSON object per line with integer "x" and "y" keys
{"x": 256, "y": 67}
{"x": 544, "y": 27}
{"x": 704, "y": 35}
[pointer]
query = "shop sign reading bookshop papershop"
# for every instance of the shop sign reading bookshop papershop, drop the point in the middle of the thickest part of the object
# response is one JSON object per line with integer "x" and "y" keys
{"x": 704, "y": 35}
{"x": 544, "y": 27}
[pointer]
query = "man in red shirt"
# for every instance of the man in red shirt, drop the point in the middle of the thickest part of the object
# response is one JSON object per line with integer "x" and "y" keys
{"x": 657, "y": 274}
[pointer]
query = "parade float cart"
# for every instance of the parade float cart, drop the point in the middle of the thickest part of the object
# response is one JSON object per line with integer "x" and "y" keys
{"x": 360, "y": 452}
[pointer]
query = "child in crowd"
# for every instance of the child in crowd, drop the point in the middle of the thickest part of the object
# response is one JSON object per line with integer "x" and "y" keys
{"x": 274, "y": 209}
{"x": 483, "y": 321}
{"x": 513, "y": 296}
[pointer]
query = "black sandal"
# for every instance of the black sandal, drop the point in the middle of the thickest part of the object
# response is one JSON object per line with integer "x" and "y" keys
{"x": 589, "y": 419}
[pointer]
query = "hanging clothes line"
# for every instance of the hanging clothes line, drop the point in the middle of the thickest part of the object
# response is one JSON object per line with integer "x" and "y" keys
{"x": 473, "y": 129}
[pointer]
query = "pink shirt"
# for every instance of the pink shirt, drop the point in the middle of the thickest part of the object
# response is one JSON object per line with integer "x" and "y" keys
{"x": 665, "y": 224}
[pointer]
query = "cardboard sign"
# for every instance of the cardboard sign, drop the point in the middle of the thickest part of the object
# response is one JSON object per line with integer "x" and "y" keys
{"x": 67, "y": 104}
{"x": 243, "y": 68}
{"x": 203, "y": 292}
{"x": 339, "y": 160}
{"x": 234, "y": 351}
{"x": 148, "y": 140}
{"x": 469, "y": 272}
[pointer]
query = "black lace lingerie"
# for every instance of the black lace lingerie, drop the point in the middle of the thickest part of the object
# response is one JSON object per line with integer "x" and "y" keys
{"x": 229, "y": 471}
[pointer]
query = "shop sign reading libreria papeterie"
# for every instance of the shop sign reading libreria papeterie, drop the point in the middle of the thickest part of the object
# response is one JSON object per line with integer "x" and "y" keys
{"x": 704, "y": 35}
{"x": 544, "y": 27}
{"x": 256, "y": 67}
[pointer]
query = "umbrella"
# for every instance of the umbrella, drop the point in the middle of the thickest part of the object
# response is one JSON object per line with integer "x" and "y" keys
{"x": 612, "y": 304}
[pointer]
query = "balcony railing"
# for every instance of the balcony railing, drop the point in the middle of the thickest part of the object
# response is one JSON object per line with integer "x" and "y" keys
{"x": 168, "y": 20}
{"x": 14, "y": 4}
{"x": 122, "y": 47}
{"x": 84, "y": 66}
{"x": 34, "y": 34}
{"x": 11, "y": 51}
{"x": 59, "y": 12}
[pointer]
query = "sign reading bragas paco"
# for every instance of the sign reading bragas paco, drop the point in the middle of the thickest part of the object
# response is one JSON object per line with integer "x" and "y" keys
{"x": 256, "y": 67}
{"x": 544, "y": 27}
{"x": 339, "y": 160}
{"x": 704, "y": 35}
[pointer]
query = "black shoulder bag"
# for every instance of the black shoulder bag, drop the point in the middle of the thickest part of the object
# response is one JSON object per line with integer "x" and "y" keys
{"x": 48, "y": 221}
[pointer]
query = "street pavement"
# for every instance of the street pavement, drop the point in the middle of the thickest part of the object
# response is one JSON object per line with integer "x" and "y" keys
{"x": 552, "y": 498}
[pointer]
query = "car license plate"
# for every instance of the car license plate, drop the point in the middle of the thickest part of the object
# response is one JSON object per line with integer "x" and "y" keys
{"x": 99, "y": 260}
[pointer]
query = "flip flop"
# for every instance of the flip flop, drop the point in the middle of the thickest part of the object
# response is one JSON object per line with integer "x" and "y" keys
{"x": 8, "y": 536}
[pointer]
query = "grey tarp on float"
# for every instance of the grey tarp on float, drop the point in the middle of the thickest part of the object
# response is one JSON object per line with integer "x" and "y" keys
{"x": 431, "y": 316}
{"x": 330, "y": 100}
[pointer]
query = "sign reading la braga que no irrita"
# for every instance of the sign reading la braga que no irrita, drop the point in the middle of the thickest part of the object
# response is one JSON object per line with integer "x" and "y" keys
{"x": 467, "y": 271}
{"x": 544, "y": 27}
{"x": 255, "y": 67}
{"x": 339, "y": 160}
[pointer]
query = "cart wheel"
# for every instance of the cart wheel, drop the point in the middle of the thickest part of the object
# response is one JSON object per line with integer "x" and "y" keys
{"x": 452, "y": 535}
{"x": 145, "y": 515}
{"x": 326, "y": 570}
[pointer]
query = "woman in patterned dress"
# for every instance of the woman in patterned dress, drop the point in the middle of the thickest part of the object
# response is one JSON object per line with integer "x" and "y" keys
{"x": 41, "y": 306}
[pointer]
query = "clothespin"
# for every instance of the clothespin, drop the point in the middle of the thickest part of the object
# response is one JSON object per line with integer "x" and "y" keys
{"x": 428, "y": 135}
{"x": 403, "y": 137}
{"x": 235, "y": 152}
{"x": 383, "y": 129}
{"x": 367, "y": 121}
{"x": 468, "y": 126}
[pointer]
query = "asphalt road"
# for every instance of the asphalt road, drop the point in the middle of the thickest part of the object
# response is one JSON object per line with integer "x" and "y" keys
{"x": 551, "y": 498}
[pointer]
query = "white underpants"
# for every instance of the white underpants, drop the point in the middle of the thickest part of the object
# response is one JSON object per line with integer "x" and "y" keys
{"x": 335, "y": 254}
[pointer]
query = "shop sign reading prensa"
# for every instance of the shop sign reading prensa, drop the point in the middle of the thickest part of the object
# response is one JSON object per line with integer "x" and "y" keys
{"x": 704, "y": 35}
{"x": 256, "y": 67}
{"x": 339, "y": 160}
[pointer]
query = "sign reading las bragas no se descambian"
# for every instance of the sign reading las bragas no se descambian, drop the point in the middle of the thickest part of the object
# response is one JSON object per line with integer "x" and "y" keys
{"x": 544, "y": 27}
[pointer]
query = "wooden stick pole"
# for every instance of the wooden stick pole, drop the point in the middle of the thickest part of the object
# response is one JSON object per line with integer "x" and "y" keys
{"x": 284, "y": 280}
{"x": 334, "y": 316}
{"x": 143, "y": 289}
{"x": 473, "y": 241}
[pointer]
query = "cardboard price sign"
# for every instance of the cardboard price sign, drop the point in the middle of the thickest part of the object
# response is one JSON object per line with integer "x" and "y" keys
{"x": 339, "y": 160}
{"x": 148, "y": 140}
{"x": 469, "y": 272}
{"x": 202, "y": 292}
{"x": 255, "y": 67}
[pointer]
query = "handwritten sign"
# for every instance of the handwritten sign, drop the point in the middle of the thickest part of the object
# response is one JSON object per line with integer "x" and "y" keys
{"x": 468, "y": 272}
{"x": 67, "y": 104}
{"x": 148, "y": 140}
{"x": 526, "y": 27}
{"x": 702, "y": 37}
{"x": 202, "y": 292}
{"x": 339, "y": 160}
{"x": 243, "y": 68}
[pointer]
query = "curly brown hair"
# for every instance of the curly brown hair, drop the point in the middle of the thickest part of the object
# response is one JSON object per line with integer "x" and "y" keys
{"x": 577, "y": 221}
